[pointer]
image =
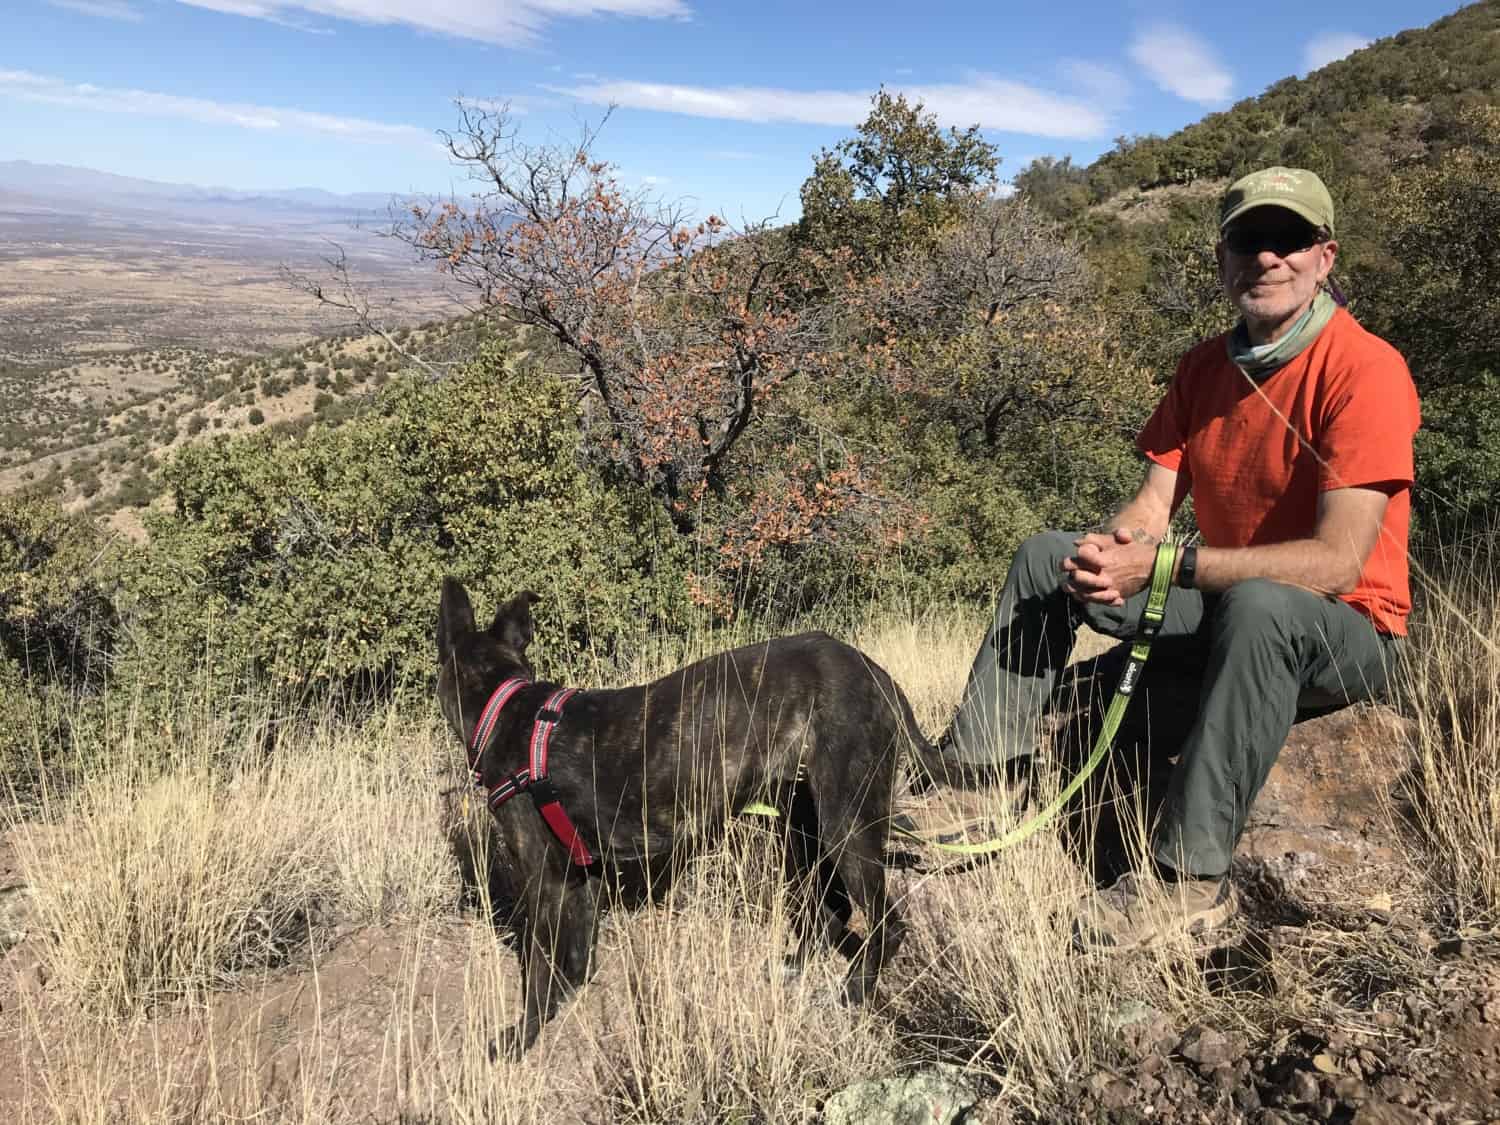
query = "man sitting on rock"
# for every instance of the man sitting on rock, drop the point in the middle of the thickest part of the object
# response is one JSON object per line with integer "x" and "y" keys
{"x": 1292, "y": 433}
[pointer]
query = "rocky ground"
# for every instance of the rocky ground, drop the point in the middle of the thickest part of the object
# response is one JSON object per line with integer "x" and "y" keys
{"x": 1411, "y": 1027}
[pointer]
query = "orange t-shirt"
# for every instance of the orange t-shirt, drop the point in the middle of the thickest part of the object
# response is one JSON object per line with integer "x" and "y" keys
{"x": 1352, "y": 409}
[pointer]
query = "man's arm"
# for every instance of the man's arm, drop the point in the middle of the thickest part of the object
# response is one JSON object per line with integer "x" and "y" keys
{"x": 1150, "y": 509}
{"x": 1108, "y": 569}
{"x": 1348, "y": 525}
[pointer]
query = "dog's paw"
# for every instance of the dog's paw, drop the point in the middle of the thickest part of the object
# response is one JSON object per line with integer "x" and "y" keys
{"x": 508, "y": 1045}
{"x": 856, "y": 990}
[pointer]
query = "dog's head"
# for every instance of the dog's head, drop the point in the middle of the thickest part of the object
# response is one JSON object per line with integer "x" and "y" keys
{"x": 471, "y": 661}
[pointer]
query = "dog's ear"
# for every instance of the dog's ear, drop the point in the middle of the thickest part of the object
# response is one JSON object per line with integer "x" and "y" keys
{"x": 512, "y": 625}
{"x": 455, "y": 616}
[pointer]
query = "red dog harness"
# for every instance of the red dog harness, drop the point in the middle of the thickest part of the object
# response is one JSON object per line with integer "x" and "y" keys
{"x": 533, "y": 778}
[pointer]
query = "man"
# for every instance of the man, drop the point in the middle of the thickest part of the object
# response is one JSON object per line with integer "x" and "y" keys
{"x": 1293, "y": 435}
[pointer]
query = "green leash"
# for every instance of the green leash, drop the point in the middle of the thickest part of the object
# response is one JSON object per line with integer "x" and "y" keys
{"x": 1150, "y": 625}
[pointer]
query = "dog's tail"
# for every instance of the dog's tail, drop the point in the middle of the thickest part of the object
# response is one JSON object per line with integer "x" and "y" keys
{"x": 928, "y": 765}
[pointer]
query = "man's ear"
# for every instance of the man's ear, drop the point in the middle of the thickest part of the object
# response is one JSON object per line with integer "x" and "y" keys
{"x": 455, "y": 616}
{"x": 512, "y": 625}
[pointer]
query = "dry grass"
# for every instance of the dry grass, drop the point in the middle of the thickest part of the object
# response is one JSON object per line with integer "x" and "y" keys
{"x": 162, "y": 885}
{"x": 166, "y": 885}
{"x": 1450, "y": 689}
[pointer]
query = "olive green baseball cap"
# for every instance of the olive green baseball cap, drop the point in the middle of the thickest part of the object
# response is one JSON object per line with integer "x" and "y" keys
{"x": 1296, "y": 189}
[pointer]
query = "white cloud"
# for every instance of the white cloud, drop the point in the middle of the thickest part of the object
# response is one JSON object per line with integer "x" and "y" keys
{"x": 1182, "y": 63}
{"x": 990, "y": 102}
{"x": 1329, "y": 47}
{"x": 1102, "y": 83}
{"x": 490, "y": 21}
{"x": 105, "y": 9}
{"x": 26, "y": 86}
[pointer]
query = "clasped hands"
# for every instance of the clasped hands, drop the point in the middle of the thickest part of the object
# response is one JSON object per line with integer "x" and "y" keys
{"x": 1109, "y": 567}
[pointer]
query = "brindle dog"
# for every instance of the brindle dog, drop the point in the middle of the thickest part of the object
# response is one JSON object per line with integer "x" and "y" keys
{"x": 806, "y": 723}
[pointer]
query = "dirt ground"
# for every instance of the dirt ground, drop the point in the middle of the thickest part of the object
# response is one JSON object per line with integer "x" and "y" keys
{"x": 1318, "y": 871}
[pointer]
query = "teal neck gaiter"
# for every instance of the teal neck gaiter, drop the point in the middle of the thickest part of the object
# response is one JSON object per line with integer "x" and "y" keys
{"x": 1260, "y": 360}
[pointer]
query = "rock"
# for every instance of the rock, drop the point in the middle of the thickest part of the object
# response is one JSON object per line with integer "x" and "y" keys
{"x": 1379, "y": 1112}
{"x": 935, "y": 1095}
{"x": 1152, "y": 1034}
{"x": 1324, "y": 1063}
{"x": 1452, "y": 948}
{"x": 1301, "y": 1088}
{"x": 1208, "y": 1049}
{"x": 15, "y": 915}
{"x": 1397, "y": 1090}
{"x": 1246, "y": 1099}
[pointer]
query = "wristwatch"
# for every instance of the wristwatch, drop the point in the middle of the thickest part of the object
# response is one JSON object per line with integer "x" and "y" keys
{"x": 1187, "y": 567}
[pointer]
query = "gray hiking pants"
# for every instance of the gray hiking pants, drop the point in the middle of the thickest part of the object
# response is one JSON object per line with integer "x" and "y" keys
{"x": 1224, "y": 683}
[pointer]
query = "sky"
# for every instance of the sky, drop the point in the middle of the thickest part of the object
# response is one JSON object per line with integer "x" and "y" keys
{"x": 719, "y": 106}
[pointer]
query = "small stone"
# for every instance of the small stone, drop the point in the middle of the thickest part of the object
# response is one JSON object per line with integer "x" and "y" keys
{"x": 1208, "y": 1049}
{"x": 939, "y": 1093}
{"x": 1350, "y": 1091}
{"x": 1117, "y": 1095}
{"x": 1384, "y": 1113}
{"x": 1490, "y": 1011}
{"x": 1301, "y": 1088}
{"x": 1397, "y": 1090}
{"x": 1452, "y": 948}
{"x": 1325, "y": 1063}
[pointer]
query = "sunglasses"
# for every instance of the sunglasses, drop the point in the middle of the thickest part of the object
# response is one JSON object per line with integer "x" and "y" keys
{"x": 1282, "y": 241}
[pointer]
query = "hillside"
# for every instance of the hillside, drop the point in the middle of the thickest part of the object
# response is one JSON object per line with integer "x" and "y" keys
{"x": 1388, "y": 104}
{"x": 92, "y": 432}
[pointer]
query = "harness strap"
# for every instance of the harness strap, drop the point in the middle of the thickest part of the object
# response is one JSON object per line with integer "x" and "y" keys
{"x": 484, "y": 729}
{"x": 541, "y": 788}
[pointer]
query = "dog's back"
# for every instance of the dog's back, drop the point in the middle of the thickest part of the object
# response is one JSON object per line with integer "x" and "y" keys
{"x": 686, "y": 750}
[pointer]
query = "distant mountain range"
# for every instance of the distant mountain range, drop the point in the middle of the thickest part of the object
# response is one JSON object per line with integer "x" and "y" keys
{"x": 61, "y": 183}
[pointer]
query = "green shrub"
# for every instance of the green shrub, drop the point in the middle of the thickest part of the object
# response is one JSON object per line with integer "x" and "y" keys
{"x": 314, "y": 564}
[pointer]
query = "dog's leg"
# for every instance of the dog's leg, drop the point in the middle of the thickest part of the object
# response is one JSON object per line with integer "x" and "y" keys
{"x": 821, "y": 909}
{"x": 859, "y": 865}
{"x": 560, "y": 932}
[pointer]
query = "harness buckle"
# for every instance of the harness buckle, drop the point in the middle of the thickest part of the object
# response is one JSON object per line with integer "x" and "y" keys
{"x": 542, "y": 791}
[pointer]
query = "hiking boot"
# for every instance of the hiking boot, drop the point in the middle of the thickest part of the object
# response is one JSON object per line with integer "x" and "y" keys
{"x": 1141, "y": 912}
{"x": 967, "y": 814}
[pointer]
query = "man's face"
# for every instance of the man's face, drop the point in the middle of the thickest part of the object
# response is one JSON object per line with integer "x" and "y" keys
{"x": 1271, "y": 262}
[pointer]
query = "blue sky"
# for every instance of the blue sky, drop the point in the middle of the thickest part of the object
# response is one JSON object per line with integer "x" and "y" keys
{"x": 720, "y": 105}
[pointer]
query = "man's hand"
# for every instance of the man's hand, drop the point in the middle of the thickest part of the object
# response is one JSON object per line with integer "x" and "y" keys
{"x": 1109, "y": 567}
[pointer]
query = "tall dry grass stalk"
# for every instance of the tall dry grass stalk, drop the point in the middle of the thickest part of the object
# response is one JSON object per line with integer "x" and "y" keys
{"x": 1449, "y": 688}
